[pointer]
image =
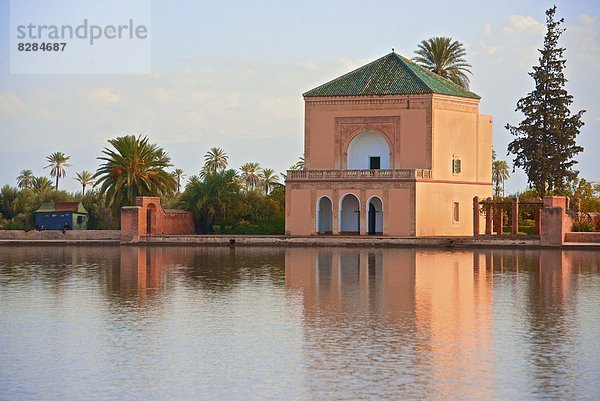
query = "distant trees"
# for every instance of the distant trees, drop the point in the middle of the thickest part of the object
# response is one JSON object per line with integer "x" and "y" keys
{"x": 58, "y": 162}
{"x": 215, "y": 160}
{"x": 42, "y": 184}
{"x": 222, "y": 201}
{"x": 268, "y": 178}
{"x": 500, "y": 173}
{"x": 444, "y": 57}
{"x": 250, "y": 174}
{"x": 25, "y": 179}
{"x": 179, "y": 175}
{"x": 545, "y": 140}
{"x": 85, "y": 178}
{"x": 133, "y": 167}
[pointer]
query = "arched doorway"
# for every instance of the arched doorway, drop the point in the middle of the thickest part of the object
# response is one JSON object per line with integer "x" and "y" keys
{"x": 324, "y": 216}
{"x": 375, "y": 216}
{"x": 349, "y": 215}
{"x": 368, "y": 151}
{"x": 150, "y": 218}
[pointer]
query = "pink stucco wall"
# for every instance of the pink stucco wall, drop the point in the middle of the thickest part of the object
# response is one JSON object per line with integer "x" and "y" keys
{"x": 422, "y": 132}
{"x": 149, "y": 218}
{"x": 323, "y": 143}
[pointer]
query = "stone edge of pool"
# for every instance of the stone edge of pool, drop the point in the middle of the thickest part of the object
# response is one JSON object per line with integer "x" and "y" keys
{"x": 112, "y": 237}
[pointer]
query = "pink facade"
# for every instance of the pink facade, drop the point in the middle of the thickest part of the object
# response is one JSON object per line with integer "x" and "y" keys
{"x": 149, "y": 218}
{"x": 397, "y": 164}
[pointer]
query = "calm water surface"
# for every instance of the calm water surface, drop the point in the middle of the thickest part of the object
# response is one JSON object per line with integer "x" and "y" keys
{"x": 184, "y": 323}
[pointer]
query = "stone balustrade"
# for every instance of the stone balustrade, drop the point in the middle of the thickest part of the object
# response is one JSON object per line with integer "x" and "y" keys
{"x": 358, "y": 174}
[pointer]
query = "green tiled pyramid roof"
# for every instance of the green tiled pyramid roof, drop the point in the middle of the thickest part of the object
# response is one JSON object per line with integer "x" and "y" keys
{"x": 391, "y": 74}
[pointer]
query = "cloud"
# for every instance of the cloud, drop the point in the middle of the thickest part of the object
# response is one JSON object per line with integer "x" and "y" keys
{"x": 48, "y": 95}
{"x": 487, "y": 29}
{"x": 523, "y": 23}
{"x": 103, "y": 95}
{"x": 10, "y": 104}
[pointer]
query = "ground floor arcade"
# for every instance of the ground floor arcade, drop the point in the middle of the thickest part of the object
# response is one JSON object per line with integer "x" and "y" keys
{"x": 384, "y": 208}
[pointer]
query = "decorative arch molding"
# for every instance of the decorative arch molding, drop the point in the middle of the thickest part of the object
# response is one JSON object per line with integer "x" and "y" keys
{"x": 365, "y": 144}
{"x": 346, "y": 128}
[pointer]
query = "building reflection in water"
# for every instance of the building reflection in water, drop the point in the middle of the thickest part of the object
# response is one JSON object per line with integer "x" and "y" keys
{"x": 141, "y": 269}
{"x": 430, "y": 316}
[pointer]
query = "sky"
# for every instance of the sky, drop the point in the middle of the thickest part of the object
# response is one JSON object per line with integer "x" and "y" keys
{"x": 231, "y": 74}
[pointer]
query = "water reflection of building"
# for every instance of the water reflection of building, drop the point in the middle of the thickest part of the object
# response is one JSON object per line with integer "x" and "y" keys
{"x": 438, "y": 307}
{"x": 141, "y": 268}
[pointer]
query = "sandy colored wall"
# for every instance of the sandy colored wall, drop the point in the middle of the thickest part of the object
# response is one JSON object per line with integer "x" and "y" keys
{"x": 455, "y": 134}
{"x": 434, "y": 207}
{"x": 400, "y": 209}
{"x": 301, "y": 221}
{"x": 407, "y": 134}
{"x": 485, "y": 149}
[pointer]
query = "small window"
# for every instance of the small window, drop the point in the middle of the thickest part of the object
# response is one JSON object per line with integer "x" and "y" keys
{"x": 456, "y": 166}
{"x": 456, "y": 212}
{"x": 374, "y": 162}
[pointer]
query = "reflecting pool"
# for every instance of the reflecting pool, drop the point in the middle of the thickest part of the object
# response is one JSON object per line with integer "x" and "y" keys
{"x": 190, "y": 323}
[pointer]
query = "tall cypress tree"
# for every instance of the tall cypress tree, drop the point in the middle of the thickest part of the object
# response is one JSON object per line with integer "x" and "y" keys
{"x": 545, "y": 143}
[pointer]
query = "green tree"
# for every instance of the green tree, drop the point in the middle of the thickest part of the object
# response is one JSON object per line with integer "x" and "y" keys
{"x": 179, "y": 175}
{"x": 58, "y": 162}
{"x": 211, "y": 199}
{"x": 500, "y": 173}
{"x": 133, "y": 167}
{"x": 250, "y": 174}
{"x": 25, "y": 179}
{"x": 300, "y": 164}
{"x": 215, "y": 160}
{"x": 545, "y": 140}
{"x": 41, "y": 184}
{"x": 268, "y": 179}
{"x": 444, "y": 57}
{"x": 85, "y": 178}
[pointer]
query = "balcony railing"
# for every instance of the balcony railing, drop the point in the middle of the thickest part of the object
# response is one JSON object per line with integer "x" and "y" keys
{"x": 357, "y": 174}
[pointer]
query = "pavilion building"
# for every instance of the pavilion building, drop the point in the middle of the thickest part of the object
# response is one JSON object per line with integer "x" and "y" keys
{"x": 390, "y": 149}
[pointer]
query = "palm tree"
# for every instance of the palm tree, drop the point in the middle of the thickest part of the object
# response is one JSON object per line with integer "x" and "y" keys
{"x": 500, "y": 173}
{"x": 41, "y": 184}
{"x": 300, "y": 164}
{"x": 134, "y": 167}
{"x": 179, "y": 175}
{"x": 25, "y": 179}
{"x": 215, "y": 160}
{"x": 85, "y": 178}
{"x": 250, "y": 174}
{"x": 58, "y": 162}
{"x": 444, "y": 57}
{"x": 212, "y": 199}
{"x": 268, "y": 179}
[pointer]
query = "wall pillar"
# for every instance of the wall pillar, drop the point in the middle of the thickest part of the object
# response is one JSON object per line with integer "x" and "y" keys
{"x": 489, "y": 215}
{"x": 515, "y": 216}
{"x": 551, "y": 219}
{"x": 476, "y": 216}
{"x": 335, "y": 217}
{"x": 362, "y": 226}
{"x": 130, "y": 224}
{"x": 499, "y": 221}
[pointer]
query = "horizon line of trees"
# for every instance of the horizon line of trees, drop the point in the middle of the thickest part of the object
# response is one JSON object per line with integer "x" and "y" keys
{"x": 250, "y": 199}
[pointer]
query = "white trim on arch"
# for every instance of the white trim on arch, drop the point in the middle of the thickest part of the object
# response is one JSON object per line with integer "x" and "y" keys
{"x": 378, "y": 216}
{"x": 355, "y": 227}
{"x": 318, "y": 215}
